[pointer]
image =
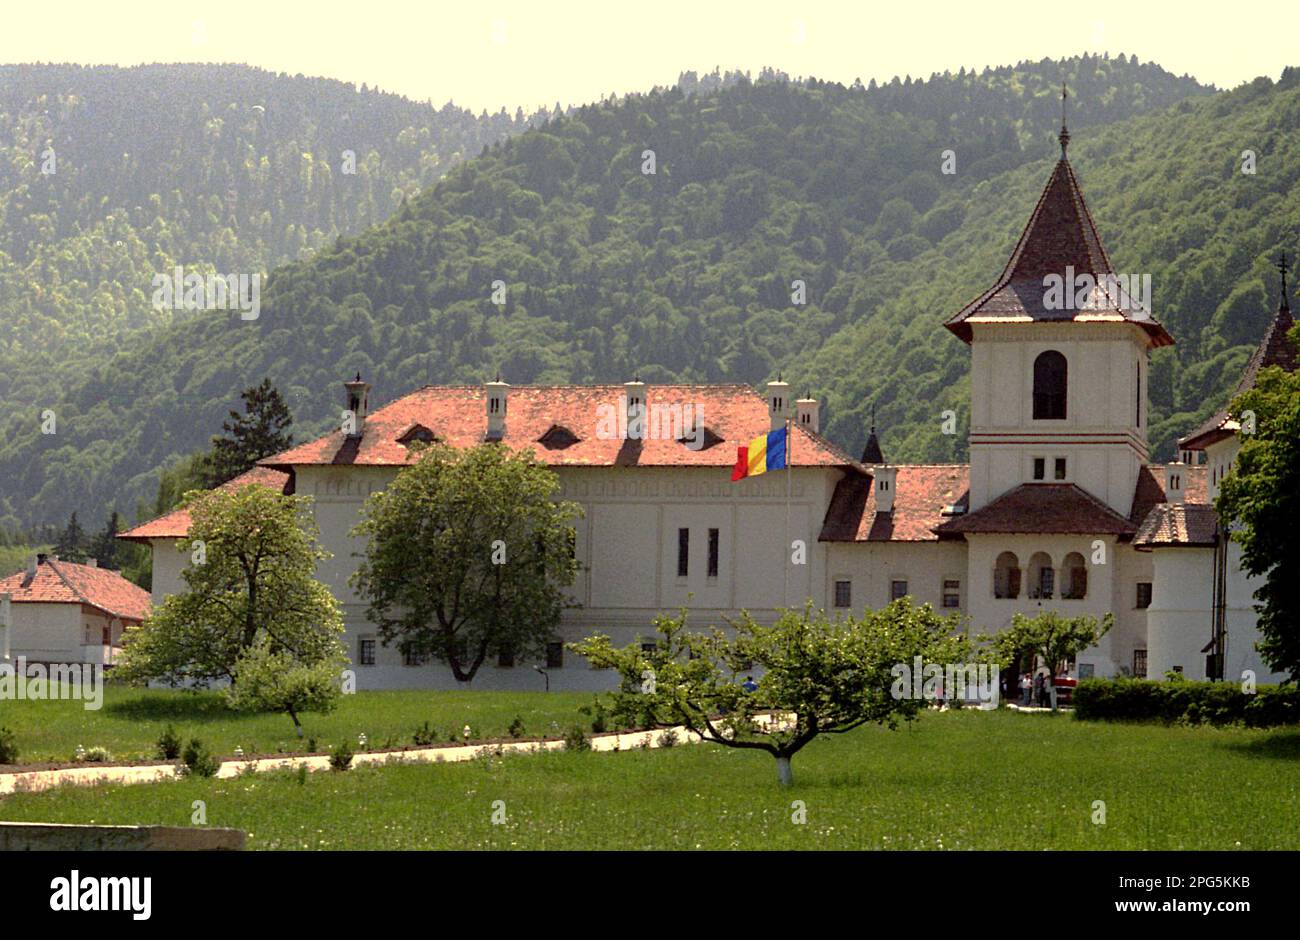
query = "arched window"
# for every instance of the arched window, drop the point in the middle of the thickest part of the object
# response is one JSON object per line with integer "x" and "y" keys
{"x": 1049, "y": 386}
{"x": 1074, "y": 577}
{"x": 1042, "y": 577}
{"x": 1006, "y": 576}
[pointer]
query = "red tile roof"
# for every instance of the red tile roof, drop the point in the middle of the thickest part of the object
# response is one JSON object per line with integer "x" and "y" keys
{"x": 1178, "y": 524}
{"x": 1275, "y": 349}
{"x": 62, "y": 582}
{"x": 176, "y": 524}
{"x": 920, "y": 494}
{"x": 1060, "y": 234}
{"x": 1042, "y": 508}
{"x": 457, "y": 415}
{"x": 1150, "y": 489}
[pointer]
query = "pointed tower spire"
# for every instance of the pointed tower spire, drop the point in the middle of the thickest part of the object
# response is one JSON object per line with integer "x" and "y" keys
{"x": 871, "y": 454}
{"x": 1064, "y": 136}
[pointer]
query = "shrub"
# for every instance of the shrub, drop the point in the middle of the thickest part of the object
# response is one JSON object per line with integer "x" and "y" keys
{"x": 311, "y": 745}
{"x": 1185, "y": 701}
{"x": 668, "y": 738}
{"x": 424, "y": 736}
{"x": 598, "y": 718}
{"x": 169, "y": 744}
{"x": 301, "y": 775}
{"x": 341, "y": 756}
{"x": 576, "y": 740}
{"x": 8, "y": 747}
{"x": 98, "y": 755}
{"x": 198, "y": 761}
{"x": 516, "y": 728}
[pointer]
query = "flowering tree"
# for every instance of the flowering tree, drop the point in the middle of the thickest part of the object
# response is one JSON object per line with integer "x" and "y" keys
{"x": 814, "y": 676}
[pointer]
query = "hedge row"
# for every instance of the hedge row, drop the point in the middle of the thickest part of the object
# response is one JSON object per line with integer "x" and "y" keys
{"x": 1215, "y": 703}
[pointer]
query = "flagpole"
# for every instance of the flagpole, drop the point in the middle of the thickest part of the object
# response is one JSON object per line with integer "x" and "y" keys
{"x": 789, "y": 462}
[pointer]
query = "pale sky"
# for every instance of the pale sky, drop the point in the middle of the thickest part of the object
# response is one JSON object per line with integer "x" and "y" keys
{"x": 489, "y": 53}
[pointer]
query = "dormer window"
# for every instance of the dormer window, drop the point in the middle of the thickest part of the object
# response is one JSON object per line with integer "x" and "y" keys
{"x": 1050, "y": 373}
{"x": 417, "y": 434}
{"x": 558, "y": 437}
{"x": 699, "y": 439}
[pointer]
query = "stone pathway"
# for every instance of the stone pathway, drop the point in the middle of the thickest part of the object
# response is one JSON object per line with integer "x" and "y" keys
{"x": 36, "y": 780}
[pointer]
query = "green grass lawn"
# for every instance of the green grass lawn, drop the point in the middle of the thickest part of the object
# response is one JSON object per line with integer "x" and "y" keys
{"x": 966, "y": 780}
{"x": 131, "y": 720}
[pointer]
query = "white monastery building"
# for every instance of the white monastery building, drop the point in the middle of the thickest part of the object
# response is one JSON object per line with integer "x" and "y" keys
{"x": 1060, "y": 507}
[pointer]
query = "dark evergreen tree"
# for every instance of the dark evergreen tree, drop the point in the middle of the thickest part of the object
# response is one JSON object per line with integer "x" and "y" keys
{"x": 71, "y": 545}
{"x": 260, "y": 432}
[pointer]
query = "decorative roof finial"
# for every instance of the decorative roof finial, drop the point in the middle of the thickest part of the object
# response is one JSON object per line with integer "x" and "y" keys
{"x": 1281, "y": 266}
{"x": 873, "y": 417}
{"x": 1064, "y": 136}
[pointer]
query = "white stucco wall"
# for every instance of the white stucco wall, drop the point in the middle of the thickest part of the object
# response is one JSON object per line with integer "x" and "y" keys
{"x": 1101, "y": 437}
{"x": 46, "y": 632}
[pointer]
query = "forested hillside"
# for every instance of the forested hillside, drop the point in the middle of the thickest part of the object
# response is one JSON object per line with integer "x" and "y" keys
{"x": 110, "y": 175}
{"x": 685, "y": 274}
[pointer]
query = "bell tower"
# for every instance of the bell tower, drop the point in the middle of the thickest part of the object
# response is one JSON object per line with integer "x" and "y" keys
{"x": 1059, "y": 349}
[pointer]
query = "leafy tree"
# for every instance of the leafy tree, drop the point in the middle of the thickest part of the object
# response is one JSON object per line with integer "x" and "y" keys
{"x": 259, "y": 432}
{"x": 1259, "y": 501}
{"x": 276, "y": 679}
{"x": 822, "y": 676}
{"x": 467, "y": 552}
{"x": 251, "y": 583}
{"x": 1051, "y": 637}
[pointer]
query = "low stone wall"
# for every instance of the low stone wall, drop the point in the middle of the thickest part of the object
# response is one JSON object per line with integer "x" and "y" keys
{"x": 61, "y": 837}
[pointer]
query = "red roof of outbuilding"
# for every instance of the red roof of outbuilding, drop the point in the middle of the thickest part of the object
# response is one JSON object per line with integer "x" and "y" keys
{"x": 62, "y": 582}
{"x": 457, "y": 415}
{"x": 1060, "y": 234}
{"x": 176, "y": 524}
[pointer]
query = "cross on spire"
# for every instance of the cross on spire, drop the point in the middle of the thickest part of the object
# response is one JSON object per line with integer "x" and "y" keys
{"x": 1281, "y": 266}
{"x": 1064, "y": 136}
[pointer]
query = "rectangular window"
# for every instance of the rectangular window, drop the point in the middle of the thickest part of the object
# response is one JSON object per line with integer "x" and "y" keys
{"x": 1040, "y": 468}
{"x": 1140, "y": 663}
{"x": 1060, "y": 468}
{"x": 951, "y": 593}
{"x": 683, "y": 552}
{"x": 1087, "y": 670}
{"x": 713, "y": 553}
{"x": 366, "y": 651}
{"x": 1143, "y": 595}
{"x": 649, "y": 648}
{"x": 897, "y": 589}
{"x": 554, "y": 655}
{"x": 413, "y": 657}
{"x": 843, "y": 593}
{"x": 506, "y": 657}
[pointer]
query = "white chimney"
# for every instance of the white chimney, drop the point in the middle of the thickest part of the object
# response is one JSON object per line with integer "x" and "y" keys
{"x": 1175, "y": 482}
{"x": 886, "y": 478}
{"x": 635, "y": 407}
{"x": 806, "y": 413}
{"x": 778, "y": 403}
{"x": 357, "y": 402}
{"x": 92, "y": 562}
{"x": 498, "y": 394}
{"x": 32, "y": 562}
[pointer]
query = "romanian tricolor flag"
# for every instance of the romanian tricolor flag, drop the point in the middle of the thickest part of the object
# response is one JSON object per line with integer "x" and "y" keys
{"x": 760, "y": 455}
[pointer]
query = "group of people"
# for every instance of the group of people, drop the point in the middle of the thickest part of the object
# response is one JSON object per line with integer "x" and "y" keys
{"x": 1035, "y": 689}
